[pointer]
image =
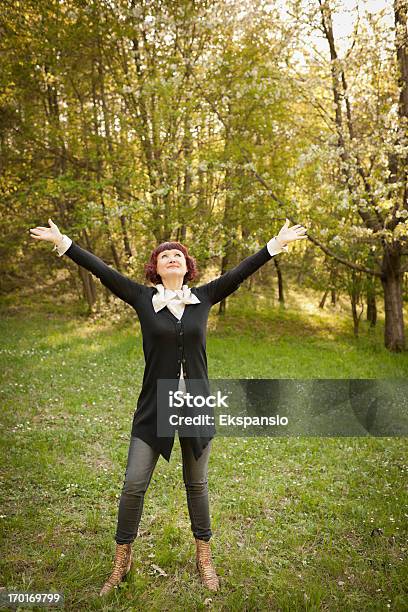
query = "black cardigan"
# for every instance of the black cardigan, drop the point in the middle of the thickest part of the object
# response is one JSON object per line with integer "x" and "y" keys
{"x": 168, "y": 341}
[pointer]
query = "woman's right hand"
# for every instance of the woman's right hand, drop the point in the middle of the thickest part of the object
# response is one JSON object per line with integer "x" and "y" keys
{"x": 52, "y": 233}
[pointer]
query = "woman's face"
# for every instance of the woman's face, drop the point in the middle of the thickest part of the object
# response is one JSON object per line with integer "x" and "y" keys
{"x": 171, "y": 264}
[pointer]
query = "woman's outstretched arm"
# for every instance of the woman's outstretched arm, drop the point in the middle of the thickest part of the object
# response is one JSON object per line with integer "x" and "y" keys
{"x": 122, "y": 286}
{"x": 227, "y": 283}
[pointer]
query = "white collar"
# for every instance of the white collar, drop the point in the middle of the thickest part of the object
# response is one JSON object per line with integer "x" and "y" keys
{"x": 175, "y": 300}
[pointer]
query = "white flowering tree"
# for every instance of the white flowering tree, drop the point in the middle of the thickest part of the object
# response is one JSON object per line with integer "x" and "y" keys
{"x": 356, "y": 166}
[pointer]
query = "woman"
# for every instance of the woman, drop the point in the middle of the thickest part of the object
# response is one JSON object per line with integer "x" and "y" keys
{"x": 173, "y": 320}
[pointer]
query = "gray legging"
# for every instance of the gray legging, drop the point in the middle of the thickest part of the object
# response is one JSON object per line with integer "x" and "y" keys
{"x": 141, "y": 462}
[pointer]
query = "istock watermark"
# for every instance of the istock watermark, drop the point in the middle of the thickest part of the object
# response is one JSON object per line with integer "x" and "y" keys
{"x": 283, "y": 407}
{"x": 180, "y": 398}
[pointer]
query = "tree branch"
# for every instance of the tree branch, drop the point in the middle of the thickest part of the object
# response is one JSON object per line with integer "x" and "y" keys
{"x": 312, "y": 239}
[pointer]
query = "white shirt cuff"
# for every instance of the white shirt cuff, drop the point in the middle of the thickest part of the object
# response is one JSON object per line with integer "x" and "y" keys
{"x": 274, "y": 247}
{"x": 63, "y": 245}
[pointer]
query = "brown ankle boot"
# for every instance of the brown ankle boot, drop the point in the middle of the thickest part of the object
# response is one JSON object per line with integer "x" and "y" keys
{"x": 205, "y": 565}
{"x": 121, "y": 566}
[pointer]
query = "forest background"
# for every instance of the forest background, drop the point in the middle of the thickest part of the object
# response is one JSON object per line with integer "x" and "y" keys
{"x": 209, "y": 122}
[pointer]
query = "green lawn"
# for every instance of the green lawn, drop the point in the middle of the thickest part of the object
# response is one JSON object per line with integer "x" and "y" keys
{"x": 293, "y": 518}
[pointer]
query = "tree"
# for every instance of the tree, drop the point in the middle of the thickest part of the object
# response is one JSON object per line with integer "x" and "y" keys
{"x": 363, "y": 147}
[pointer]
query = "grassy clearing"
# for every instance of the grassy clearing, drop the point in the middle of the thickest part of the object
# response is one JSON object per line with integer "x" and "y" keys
{"x": 299, "y": 523}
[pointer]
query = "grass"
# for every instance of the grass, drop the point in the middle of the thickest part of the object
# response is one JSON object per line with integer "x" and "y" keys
{"x": 299, "y": 523}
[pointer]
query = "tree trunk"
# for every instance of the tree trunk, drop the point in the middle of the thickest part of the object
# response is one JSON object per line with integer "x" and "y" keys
{"x": 356, "y": 316}
{"x": 230, "y": 218}
{"x": 323, "y": 300}
{"x": 281, "y": 297}
{"x": 87, "y": 285}
{"x": 355, "y": 298}
{"x": 371, "y": 305}
{"x": 89, "y": 289}
{"x": 333, "y": 276}
{"x": 186, "y": 194}
{"x": 391, "y": 279}
{"x": 223, "y": 304}
{"x": 109, "y": 141}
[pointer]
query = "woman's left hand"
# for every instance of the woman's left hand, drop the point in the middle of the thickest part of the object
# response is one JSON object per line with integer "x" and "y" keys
{"x": 289, "y": 234}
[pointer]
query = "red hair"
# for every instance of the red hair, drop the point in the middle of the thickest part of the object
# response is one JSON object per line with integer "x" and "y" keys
{"x": 151, "y": 267}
